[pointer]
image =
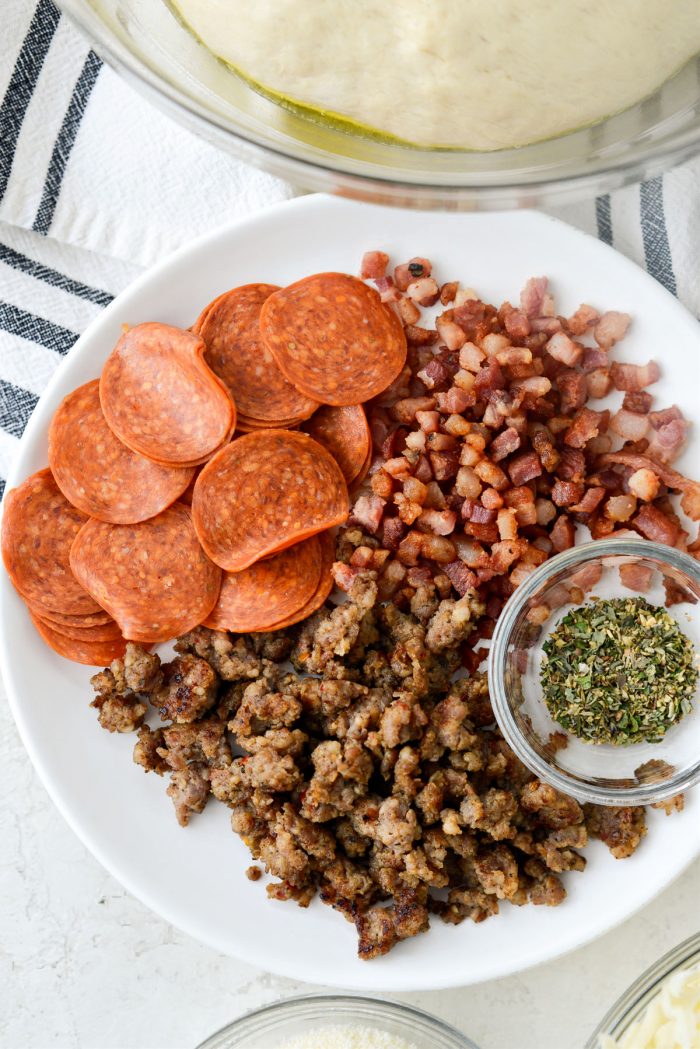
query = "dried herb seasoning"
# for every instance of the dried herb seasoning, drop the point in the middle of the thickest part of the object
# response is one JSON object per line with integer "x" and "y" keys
{"x": 618, "y": 671}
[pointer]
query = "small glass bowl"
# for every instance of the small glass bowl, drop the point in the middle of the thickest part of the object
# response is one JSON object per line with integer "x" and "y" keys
{"x": 632, "y": 1003}
{"x": 272, "y": 1025}
{"x": 606, "y": 774}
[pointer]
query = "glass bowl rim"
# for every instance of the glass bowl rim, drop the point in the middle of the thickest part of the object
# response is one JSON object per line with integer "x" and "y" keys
{"x": 643, "y": 989}
{"x": 266, "y": 1018}
{"x": 647, "y": 159}
{"x": 645, "y": 794}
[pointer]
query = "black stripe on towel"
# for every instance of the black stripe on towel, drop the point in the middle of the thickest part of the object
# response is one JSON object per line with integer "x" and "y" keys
{"x": 22, "y": 83}
{"x": 36, "y": 329}
{"x": 16, "y": 405}
{"x": 53, "y": 277}
{"x": 65, "y": 141}
{"x": 603, "y": 218}
{"x": 657, "y": 250}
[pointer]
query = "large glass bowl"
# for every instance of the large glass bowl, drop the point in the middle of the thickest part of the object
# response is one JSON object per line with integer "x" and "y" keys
{"x": 605, "y": 774}
{"x": 146, "y": 43}
{"x": 632, "y": 1003}
{"x": 273, "y": 1025}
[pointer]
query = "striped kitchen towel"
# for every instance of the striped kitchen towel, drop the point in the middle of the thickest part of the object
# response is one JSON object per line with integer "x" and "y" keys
{"x": 85, "y": 160}
{"x": 95, "y": 184}
{"x": 49, "y": 292}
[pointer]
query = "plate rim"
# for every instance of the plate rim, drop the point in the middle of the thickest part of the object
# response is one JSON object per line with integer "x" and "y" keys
{"x": 249, "y": 953}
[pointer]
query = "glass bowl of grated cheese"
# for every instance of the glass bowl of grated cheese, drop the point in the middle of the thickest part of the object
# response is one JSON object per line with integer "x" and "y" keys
{"x": 337, "y": 1022}
{"x": 661, "y": 1010}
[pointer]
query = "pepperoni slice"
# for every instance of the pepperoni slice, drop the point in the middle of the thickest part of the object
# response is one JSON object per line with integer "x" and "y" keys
{"x": 92, "y": 653}
{"x": 162, "y": 400}
{"x": 264, "y": 492}
{"x": 38, "y": 529}
{"x": 323, "y": 589}
{"x": 333, "y": 338}
{"x": 268, "y": 591}
{"x": 99, "y": 474}
{"x": 186, "y": 496}
{"x": 244, "y": 424}
{"x": 100, "y": 618}
{"x": 106, "y": 632}
{"x": 231, "y": 330}
{"x": 153, "y": 577}
{"x": 345, "y": 433}
{"x": 357, "y": 481}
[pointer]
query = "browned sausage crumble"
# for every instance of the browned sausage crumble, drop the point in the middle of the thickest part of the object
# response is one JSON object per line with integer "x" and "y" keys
{"x": 378, "y": 783}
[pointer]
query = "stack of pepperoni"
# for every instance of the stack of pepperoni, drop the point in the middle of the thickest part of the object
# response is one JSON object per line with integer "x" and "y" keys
{"x": 180, "y": 491}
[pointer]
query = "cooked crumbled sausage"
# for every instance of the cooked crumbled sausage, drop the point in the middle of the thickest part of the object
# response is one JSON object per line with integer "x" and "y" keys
{"x": 671, "y": 805}
{"x": 497, "y": 872}
{"x": 189, "y": 689}
{"x": 191, "y": 753}
{"x": 377, "y": 781}
{"x": 267, "y": 769}
{"x": 328, "y": 635}
{"x": 262, "y": 709}
{"x": 621, "y": 829}
{"x": 122, "y": 687}
{"x": 233, "y": 658}
{"x": 119, "y": 713}
{"x": 141, "y": 669}
{"x": 453, "y": 621}
{"x": 380, "y": 928}
{"x": 138, "y": 672}
{"x": 466, "y": 902}
{"x": 146, "y": 750}
{"x": 547, "y": 891}
{"x": 188, "y": 789}
{"x": 549, "y": 806}
{"x": 275, "y": 646}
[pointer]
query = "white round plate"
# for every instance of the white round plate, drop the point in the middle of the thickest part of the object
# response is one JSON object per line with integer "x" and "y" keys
{"x": 195, "y": 877}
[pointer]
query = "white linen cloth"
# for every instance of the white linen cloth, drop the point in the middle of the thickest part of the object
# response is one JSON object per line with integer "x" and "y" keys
{"x": 96, "y": 184}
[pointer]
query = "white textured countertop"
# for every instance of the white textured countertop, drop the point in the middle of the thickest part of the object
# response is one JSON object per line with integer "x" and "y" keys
{"x": 83, "y": 965}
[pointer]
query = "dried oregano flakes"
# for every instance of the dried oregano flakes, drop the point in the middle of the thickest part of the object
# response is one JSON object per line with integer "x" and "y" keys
{"x": 618, "y": 671}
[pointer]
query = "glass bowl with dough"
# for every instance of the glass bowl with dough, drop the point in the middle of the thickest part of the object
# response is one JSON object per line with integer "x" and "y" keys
{"x": 492, "y": 103}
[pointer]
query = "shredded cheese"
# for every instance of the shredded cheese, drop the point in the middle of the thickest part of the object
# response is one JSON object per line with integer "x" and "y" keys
{"x": 670, "y": 1021}
{"x": 346, "y": 1037}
